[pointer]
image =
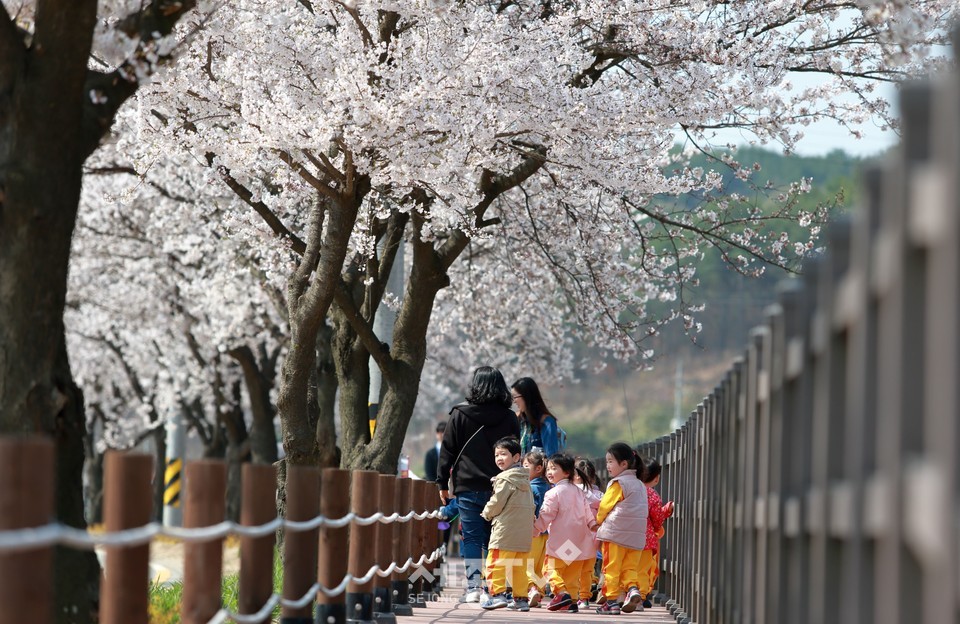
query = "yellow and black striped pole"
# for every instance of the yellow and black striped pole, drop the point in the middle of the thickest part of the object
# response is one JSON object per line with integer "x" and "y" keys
{"x": 173, "y": 473}
{"x": 171, "y": 482}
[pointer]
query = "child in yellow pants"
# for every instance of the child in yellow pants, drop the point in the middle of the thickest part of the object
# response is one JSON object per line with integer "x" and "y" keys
{"x": 571, "y": 544}
{"x": 622, "y": 520}
{"x": 506, "y": 569}
{"x": 536, "y": 466}
{"x": 565, "y": 577}
{"x": 510, "y": 509}
{"x": 658, "y": 513}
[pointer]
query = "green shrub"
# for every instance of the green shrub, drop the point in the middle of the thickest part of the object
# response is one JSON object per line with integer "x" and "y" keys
{"x": 165, "y": 599}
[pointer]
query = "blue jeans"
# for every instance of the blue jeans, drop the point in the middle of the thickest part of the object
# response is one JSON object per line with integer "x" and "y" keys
{"x": 475, "y": 535}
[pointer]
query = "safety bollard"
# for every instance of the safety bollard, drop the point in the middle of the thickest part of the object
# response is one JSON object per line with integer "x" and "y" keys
{"x": 205, "y": 505}
{"x": 401, "y": 549}
{"x": 259, "y": 482}
{"x": 382, "y": 602}
{"x": 418, "y": 545}
{"x": 128, "y": 504}
{"x": 433, "y": 539}
{"x": 300, "y": 547}
{"x": 26, "y": 500}
{"x": 363, "y": 545}
{"x": 333, "y": 547}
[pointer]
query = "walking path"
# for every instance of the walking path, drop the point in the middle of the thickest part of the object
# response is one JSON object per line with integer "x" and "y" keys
{"x": 448, "y": 611}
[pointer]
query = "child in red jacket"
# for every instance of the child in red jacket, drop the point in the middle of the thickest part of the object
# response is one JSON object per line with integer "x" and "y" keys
{"x": 658, "y": 513}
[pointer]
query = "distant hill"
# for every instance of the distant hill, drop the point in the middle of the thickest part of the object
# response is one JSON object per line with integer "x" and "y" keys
{"x": 633, "y": 406}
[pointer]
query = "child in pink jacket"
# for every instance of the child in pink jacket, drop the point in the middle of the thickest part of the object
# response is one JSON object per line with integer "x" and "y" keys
{"x": 594, "y": 494}
{"x": 571, "y": 544}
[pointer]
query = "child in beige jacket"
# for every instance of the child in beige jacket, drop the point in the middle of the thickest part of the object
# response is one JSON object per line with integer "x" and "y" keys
{"x": 511, "y": 510}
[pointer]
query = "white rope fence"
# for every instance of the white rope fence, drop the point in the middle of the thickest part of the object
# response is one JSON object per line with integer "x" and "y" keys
{"x": 224, "y": 615}
{"x": 56, "y": 534}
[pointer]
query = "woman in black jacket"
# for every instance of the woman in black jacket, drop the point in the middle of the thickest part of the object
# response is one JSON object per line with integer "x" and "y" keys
{"x": 467, "y": 465}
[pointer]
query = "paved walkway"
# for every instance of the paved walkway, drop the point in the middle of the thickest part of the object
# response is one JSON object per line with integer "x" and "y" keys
{"x": 449, "y": 611}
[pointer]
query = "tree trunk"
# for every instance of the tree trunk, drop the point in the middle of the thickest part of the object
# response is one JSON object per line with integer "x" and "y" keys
{"x": 298, "y": 414}
{"x": 352, "y": 362}
{"x": 310, "y": 292}
{"x": 326, "y": 400}
{"x": 37, "y": 391}
{"x": 48, "y": 127}
{"x": 408, "y": 352}
{"x": 159, "y": 474}
{"x": 92, "y": 478}
{"x": 237, "y": 451}
{"x": 263, "y": 436}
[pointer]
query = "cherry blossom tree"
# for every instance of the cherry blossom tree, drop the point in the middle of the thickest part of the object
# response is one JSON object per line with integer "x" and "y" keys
{"x": 166, "y": 316}
{"x": 509, "y": 142}
{"x": 66, "y": 67}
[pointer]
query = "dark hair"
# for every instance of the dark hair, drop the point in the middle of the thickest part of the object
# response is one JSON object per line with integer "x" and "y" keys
{"x": 534, "y": 409}
{"x": 621, "y": 451}
{"x": 586, "y": 467}
{"x": 536, "y": 457}
{"x": 567, "y": 464}
{"x": 509, "y": 444}
{"x": 488, "y": 386}
{"x": 441, "y": 426}
{"x": 651, "y": 470}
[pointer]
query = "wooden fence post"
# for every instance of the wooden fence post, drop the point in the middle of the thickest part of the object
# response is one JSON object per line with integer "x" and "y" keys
{"x": 401, "y": 549}
{"x": 333, "y": 546}
{"x": 26, "y": 500}
{"x": 257, "y": 507}
{"x": 382, "y": 602}
{"x": 418, "y": 542}
{"x": 363, "y": 545}
{"x": 432, "y": 537}
{"x": 205, "y": 505}
{"x": 128, "y": 504}
{"x": 300, "y": 547}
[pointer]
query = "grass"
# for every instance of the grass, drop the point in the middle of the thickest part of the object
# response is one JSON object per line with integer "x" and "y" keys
{"x": 165, "y": 599}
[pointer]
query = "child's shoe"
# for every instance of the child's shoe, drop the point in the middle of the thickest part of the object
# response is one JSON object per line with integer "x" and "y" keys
{"x": 632, "y": 601}
{"x": 497, "y": 601}
{"x": 472, "y": 595}
{"x": 561, "y": 602}
{"x": 534, "y": 597}
{"x": 609, "y": 608}
{"x": 519, "y": 604}
{"x": 583, "y": 604}
{"x": 646, "y": 603}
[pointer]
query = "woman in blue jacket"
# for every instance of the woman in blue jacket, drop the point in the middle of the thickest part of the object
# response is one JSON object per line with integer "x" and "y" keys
{"x": 538, "y": 427}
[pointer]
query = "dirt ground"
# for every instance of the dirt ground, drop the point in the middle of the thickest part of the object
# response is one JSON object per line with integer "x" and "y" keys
{"x": 166, "y": 559}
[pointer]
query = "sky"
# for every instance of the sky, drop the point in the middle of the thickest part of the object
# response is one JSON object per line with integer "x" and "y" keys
{"x": 825, "y": 136}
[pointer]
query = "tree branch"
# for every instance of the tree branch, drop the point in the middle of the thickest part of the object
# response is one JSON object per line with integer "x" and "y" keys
{"x": 308, "y": 177}
{"x": 105, "y": 93}
{"x": 379, "y": 351}
{"x": 391, "y": 245}
{"x": 271, "y": 219}
{"x": 492, "y": 186}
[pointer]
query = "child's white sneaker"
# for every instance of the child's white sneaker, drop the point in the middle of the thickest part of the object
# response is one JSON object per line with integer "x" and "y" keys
{"x": 534, "y": 598}
{"x": 498, "y": 601}
{"x": 472, "y": 595}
